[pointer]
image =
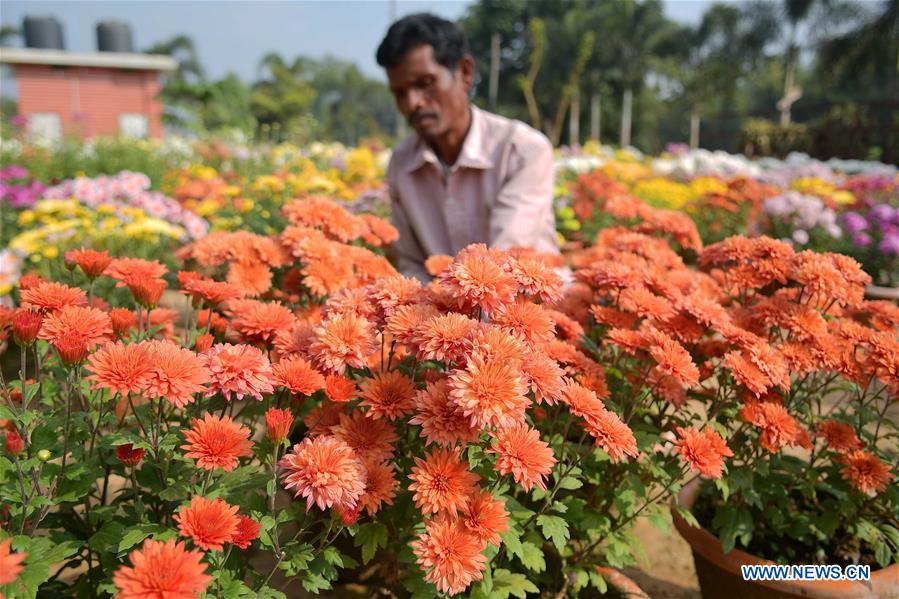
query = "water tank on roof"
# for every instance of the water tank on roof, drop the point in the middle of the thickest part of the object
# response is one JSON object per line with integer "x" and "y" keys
{"x": 114, "y": 36}
{"x": 43, "y": 32}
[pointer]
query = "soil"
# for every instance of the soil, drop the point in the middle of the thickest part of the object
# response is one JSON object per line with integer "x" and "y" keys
{"x": 668, "y": 572}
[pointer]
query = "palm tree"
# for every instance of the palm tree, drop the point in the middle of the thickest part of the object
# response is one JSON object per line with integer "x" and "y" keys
{"x": 8, "y": 33}
{"x": 182, "y": 49}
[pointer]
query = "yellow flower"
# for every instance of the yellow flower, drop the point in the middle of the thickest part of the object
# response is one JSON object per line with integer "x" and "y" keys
{"x": 26, "y": 217}
{"x": 105, "y": 209}
{"x": 705, "y": 185}
{"x": 51, "y": 251}
{"x": 5, "y": 288}
{"x": 207, "y": 207}
{"x": 110, "y": 224}
{"x": 664, "y": 193}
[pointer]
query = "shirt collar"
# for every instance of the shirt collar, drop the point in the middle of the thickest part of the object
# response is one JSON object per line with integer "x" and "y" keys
{"x": 473, "y": 154}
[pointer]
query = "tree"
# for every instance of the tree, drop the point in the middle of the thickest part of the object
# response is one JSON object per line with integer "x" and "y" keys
{"x": 282, "y": 97}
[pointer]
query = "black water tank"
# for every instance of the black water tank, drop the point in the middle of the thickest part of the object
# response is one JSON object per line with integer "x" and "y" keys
{"x": 43, "y": 32}
{"x": 114, "y": 36}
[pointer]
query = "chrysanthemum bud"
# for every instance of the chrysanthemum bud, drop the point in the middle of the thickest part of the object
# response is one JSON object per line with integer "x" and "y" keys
{"x": 44, "y": 455}
{"x": 129, "y": 455}
{"x": 203, "y": 342}
{"x": 26, "y": 324}
{"x": 72, "y": 348}
{"x": 279, "y": 423}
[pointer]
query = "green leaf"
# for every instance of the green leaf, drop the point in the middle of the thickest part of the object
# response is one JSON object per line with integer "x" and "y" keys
{"x": 506, "y": 584}
{"x": 512, "y": 541}
{"x": 531, "y": 557}
{"x": 733, "y": 522}
{"x": 555, "y": 529}
{"x": 370, "y": 536}
{"x": 137, "y": 534}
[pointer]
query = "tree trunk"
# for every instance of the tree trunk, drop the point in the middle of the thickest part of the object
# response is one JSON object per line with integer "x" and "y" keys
{"x": 694, "y": 129}
{"x": 574, "y": 118}
{"x": 494, "y": 71}
{"x": 595, "y": 117}
{"x": 626, "y": 107}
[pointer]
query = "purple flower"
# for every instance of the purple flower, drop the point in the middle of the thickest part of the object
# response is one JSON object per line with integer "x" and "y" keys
{"x": 889, "y": 244}
{"x": 862, "y": 239}
{"x": 883, "y": 213}
{"x": 13, "y": 171}
{"x": 855, "y": 222}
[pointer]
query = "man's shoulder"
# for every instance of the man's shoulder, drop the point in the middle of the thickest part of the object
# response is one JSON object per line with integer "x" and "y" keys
{"x": 403, "y": 152}
{"x": 522, "y": 136}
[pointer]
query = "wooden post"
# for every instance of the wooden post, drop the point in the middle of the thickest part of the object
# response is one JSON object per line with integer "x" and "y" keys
{"x": 494, "y": 71}
{"x": 626, "y": 118}
{"x": 595, "y": 116}
{"x": 574, "y": 118}
{"x": 694, "y": 129}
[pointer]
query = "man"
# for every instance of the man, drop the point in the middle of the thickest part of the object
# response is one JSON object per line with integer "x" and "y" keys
{"x": 465, "y": 176}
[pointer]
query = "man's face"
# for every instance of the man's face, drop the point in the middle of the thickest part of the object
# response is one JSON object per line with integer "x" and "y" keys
{"x": 429, "y": 95}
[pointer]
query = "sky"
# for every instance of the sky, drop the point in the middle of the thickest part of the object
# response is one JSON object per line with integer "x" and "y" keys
{"x": 234, "y": 35}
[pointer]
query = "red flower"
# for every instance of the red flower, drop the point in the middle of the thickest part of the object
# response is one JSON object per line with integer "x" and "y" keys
{"x": 91, "y": 262}
{"x": 26, "y": 324}
{"x": 10, "y": 563}
{"x": 129, "y": 455}
{"x": 247, "y": 531}
{"x": 279, "y": 423}
{"x": 14, "y": 442}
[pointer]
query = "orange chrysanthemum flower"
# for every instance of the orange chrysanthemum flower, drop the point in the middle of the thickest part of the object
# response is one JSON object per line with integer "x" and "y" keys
{"x": 298, "y": 375}
{"x": 342, "y": 340}
{"x": 475, "y": 280}
{"x": 10, "y": 563}
{"x": 247, "y": 531}
{"x": 613, "y": 435}
{"x": 527, "y": 321}
{"x": 217, "y": 442}
{"x": 72, "y": 348}
{"x": 162, "y": 570}
{"x": 124, "y": 269}
{"x": 50, "y": 297}
{"x": 251, "y": 278}
{"x": 778, "y": 427}
{"x": 544, "y": 376}
{"x": 444, "y": 337}
{"x": 866, "y": 472}
{"x": 295, "y": 340}
{"x": 209, "y": 523}
{"x": 581, "y": 401}
{"x": 442, "y": 481}
{"x": 121, "y": 368}
{"x": 392, "y": 292}
{"x": 339, "y": 389}
{"x": 123, "y": 321}
{"x": 388, "y": 395}
{"x": 278, "y": 423}
{"x": 259, "y": 322}
{"x": 486, "y": 517}
{"x": 368, "y": 438}
{"x": 202, "y": 289}
{"x": 672, "y": 359}
{"x": 91, "y": 325}
{"x": 380, "y": 485}
{"x": 450, "y": 554}
{"x": 437, "y": 263}
{"x": 239, "y": 369}
{"x": 91, "y": 262}
{"x": 403, "y": 324}
{"x": 520, "y": 452}
{"x": 839, "y": 436}
{"x": 176, "y": 373}
{"x": 493, "y": 343}
{"x": 441, "y": 421}
{"x": 146, "y": 292}
{"x": 489, "y": 392}
{"x": 704, "y": 451}
{"x": 536, "y": 279}
{"x": 325, "y": 471}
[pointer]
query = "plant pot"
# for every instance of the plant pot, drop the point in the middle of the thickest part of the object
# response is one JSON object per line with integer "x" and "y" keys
{"x": 719, "y": 573}
{"x": 874, "y": 292}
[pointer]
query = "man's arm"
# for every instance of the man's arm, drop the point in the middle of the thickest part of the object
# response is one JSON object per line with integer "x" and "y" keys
{"x": 409, "y": 255}
{"x": 522, "y": 214}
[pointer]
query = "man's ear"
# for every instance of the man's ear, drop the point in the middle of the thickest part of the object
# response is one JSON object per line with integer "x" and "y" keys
{"x": 466, "y": 70}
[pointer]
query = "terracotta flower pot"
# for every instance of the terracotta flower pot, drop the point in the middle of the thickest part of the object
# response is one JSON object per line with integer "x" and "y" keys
{"x": 719, "y": 573}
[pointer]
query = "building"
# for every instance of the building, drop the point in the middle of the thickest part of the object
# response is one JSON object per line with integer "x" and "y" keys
{"x": 88, "y": 93}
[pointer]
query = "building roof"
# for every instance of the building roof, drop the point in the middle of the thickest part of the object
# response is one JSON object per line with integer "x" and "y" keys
{"x": 115, "y": 60}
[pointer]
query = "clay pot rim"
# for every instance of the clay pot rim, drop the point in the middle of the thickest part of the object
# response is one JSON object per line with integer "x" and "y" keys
{"x": 703, "y": 542}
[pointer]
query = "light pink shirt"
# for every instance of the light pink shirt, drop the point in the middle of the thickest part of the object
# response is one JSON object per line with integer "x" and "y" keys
{"x": 499, "y": 192}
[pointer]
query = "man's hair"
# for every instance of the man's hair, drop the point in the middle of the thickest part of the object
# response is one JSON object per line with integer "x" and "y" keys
{"x": 447, "y": 39}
